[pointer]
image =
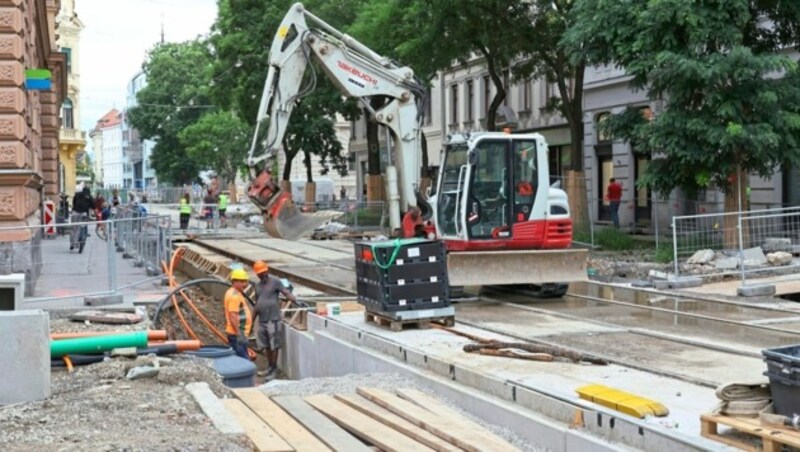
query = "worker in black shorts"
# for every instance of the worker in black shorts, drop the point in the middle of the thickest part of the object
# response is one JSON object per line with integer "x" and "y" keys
{"x": 267, "y": 316}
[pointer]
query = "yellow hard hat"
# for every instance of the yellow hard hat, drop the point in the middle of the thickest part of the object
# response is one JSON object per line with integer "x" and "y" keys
{"x": 239, "y": 275}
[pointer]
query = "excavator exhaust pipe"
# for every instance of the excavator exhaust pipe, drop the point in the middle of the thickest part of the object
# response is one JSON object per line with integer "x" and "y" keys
{"x": 507, "y": 267}
{"x": 282, "y": 218}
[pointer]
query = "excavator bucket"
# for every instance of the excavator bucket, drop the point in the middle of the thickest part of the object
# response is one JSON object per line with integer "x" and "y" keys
{"x": 282, "y": 218}
{"x": 506, "y": 267}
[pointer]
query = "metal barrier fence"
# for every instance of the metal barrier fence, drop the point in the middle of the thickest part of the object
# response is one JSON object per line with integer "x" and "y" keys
{"x": 736, "y": 243}
{"x": 119, "y": 254}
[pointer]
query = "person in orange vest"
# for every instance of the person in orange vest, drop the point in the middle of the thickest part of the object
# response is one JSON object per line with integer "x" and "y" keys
{"x": 413, "y": 225}
{"x": 238, "y": 317}
{"x": 614, "y": 197}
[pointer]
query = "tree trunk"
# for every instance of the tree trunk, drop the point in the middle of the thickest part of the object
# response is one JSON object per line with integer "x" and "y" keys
{"x": 307, "y": 163}
{"x": 374, "y": 153}
{"x": 289, "y": 153}
{"x": 311, "y": 195}
{"x": 234, "y": 198}
{"x": 491, "y": 114}
{"x": 425, "y": 179}
{"x": 735, "y": 198}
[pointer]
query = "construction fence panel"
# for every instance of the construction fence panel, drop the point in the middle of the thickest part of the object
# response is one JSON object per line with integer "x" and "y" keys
{"x": 119, "y": 254}
{"x": 727, "y": 239}
{"x": 769, "y": 241}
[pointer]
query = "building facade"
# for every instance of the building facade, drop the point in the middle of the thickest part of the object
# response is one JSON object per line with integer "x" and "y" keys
{"x": 28, "y": 131}
{"x": 72, "y": 140}
{"x": 96, "y": 137}
{"x": 136, "y": 152}
{"x": 109, "y": 127}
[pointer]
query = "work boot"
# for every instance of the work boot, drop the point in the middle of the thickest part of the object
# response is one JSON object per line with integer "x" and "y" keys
{"x": 273, "y": 373}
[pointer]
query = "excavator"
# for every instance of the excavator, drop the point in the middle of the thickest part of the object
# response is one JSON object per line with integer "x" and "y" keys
{"x": 502, "y": 222}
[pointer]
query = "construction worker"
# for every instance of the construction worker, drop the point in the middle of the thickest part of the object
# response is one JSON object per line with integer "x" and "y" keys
{"x": 238, "y": 318}
{"x": 269, "y": 317}
{"x": 222, "y": 206}
{"x": 186, "y": 211}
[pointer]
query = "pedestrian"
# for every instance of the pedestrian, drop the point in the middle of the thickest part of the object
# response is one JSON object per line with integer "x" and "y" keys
{"x": 343, "y": 194}
{"x": 222, "y": 207}
{"x": 82, "y": 204}
{"x": 186, "y": 211}
{"x": 268, "y": 317}
{"x": 614, "y": 197}
{"x": 413, "y": 225}
{"x": 209, "y": 203}
{"x": 238, "y": 318}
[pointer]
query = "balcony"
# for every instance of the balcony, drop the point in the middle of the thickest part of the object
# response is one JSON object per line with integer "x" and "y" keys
{"x": 133, "y": 153}
{"x": 71, "y": 136}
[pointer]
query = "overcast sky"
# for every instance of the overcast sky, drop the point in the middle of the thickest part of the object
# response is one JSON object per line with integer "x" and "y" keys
{"x": 117, "y": 36}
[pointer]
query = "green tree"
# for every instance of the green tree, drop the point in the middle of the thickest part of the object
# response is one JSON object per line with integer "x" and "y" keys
{"x": 731, "y": 99}
{"x": 176, "y": 96}
{"x": 83, "y": 167}
{"x": 219, "y": 142}
{"x": 241, "y": 38}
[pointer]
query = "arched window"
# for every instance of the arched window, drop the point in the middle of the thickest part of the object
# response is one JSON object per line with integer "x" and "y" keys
{"x": 602, "y": 136}
{"x": 66, "y": 114}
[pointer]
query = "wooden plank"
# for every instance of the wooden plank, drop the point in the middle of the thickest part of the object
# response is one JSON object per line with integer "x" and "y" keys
{"x": 323, "y": 428}
{"x": 456, "y": 430}
{"x": 284, "y": 425}
{"x": 264, "y": 438}
{"x": 364, "y": 427}
{"x": 772, "y": 437}
{"x": 396, "y": 422}
{"x": 431, "y": 404}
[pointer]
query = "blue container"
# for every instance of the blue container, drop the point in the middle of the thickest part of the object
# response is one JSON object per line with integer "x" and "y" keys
{"x": 236, "y": 372}
{"x": 212, "y": 351}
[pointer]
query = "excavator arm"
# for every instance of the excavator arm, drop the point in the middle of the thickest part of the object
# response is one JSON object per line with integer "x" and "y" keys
{"x": 358, "y": 72}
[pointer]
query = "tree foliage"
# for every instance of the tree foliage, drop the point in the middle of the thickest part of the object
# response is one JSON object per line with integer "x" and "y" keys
{"x": 218, "y": 141}
{"x": 241, "y": 39}
{"x": 731, "y": 99}
{"x": 176, "y": 96}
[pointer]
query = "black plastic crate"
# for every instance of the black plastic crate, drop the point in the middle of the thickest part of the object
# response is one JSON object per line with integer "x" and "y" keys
{"x": 408, "y": 251}
{"x": 403, "y": 273}
{"x": 402, "y": 297}
{"x": 783, "y": 370}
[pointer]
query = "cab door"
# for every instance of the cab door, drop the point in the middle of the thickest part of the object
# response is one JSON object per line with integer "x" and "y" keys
{"x": 450, "y": 200}
{"x": 488, "y": 208}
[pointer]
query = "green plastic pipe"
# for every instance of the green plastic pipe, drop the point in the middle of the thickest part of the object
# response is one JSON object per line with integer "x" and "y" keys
{"x": 97, "y": 344}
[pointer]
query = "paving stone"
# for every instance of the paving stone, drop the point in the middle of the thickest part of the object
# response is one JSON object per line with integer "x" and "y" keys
{"x": 773, "y": 244}
{"x": 701, "y": 257}
{"x": 142, "y": 372}
{"x": 729, "y": 263}
{"x": 683, "y": 283}
{"x": 756, "y": 291}
{"x": 755, "y": 254}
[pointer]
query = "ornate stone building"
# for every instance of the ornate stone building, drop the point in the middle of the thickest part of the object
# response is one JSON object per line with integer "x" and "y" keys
{"x": 29, "y": 128}
{"x": 72, "y": 140}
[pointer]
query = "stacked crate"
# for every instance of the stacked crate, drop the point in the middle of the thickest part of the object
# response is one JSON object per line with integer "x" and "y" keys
{"x": 401, "y": 275}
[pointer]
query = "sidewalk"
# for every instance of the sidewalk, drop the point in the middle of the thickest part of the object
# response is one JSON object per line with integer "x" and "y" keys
{"x": 71, "y": 275}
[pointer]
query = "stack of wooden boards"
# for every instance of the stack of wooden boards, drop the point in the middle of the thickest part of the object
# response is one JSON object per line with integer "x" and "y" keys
{"x": 407, "y": 420}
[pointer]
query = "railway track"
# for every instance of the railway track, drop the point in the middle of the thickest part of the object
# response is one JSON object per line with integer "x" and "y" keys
{"x": 690, "y": 338}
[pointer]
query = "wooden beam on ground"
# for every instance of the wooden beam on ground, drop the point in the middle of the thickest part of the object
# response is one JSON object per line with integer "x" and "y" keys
{"x": 363, "y": 426}
{"x": 394, "y": 421}
{"x": 284, "y": 425}
{"x": 264, "y": 438}
{"x": 323, "y": 428}
{"x": 454, "y": 429}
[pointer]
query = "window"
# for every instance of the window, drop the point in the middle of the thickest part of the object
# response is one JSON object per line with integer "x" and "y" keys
{"x": 602, "y": 135}
{"x": 506, "y": 86}
{"x": 526, "y": 95}
{"x": 66, "y": 114}
{"x": 487, "y": 94}
{"x": 454, "y": 104}
{"x": 68, "y": 56}
{"x": 470, "y": 100}
{"x": 429, "y": 107}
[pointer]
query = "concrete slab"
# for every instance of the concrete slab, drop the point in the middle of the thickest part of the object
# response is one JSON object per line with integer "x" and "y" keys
{"x": 25, "y": 355}
{"x": 213, "y": 408}
{"x": 761, "y": 290}
{"x": 102, "y": 300}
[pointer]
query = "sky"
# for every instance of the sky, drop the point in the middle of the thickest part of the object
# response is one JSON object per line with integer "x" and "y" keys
{"x": 115, "y": 41}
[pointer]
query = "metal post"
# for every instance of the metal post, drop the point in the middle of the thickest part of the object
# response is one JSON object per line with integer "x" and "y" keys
{"x": 741, "y": 249}
{"x": 675, "y": 245}
{"x": 655, "y": 213}
{"x": 112, "y": 258}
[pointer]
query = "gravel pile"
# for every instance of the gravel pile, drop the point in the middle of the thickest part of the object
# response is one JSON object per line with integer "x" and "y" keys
{"x": 96, "y": 408}
{"x": 388, "y": 382}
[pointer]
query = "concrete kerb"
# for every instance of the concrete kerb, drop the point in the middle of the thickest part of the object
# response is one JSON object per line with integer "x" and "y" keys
{"x": 213, "y": 408}
{"x": 605, "y": 423}
{"x": 762, "y": 290}
{"x": 25, "y": 355}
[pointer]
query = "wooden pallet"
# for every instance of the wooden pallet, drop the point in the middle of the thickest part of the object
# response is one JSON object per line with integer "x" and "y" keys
{"x": 772, "y": 438}
{"x": 400, "y": 325}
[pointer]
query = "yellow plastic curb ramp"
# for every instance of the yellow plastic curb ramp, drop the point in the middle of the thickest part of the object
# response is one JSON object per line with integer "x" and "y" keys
{"x": 624, "y": 402}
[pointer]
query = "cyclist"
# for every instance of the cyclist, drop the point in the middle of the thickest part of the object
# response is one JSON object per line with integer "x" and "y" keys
{"x": 82, "y": 204}
{"x": 100, "y": 205}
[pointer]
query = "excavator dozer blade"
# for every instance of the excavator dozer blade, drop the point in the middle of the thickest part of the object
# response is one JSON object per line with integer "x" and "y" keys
{"x": 497, "y": 268}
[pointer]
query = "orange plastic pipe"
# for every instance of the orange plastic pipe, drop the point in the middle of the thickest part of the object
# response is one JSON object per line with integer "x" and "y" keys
{"x": 183, "y": 346}
{"x": 152, "y": 335}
